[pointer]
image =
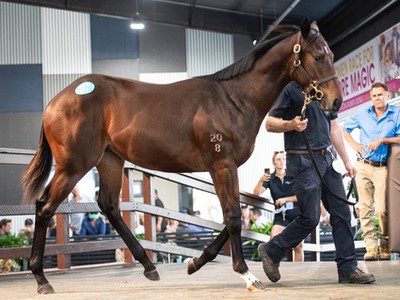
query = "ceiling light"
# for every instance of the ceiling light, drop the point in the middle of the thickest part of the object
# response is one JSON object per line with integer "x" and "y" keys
{"x": 137, "y": 23}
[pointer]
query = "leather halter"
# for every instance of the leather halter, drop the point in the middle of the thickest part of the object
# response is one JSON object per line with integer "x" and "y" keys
{"x": 312, "y": 91}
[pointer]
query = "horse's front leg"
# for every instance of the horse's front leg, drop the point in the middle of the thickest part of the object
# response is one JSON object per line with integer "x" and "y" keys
{"x": 227, "y": 188}
{"x": 211, "y": 252}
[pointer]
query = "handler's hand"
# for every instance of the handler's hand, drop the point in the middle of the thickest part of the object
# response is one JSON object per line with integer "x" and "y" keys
{"x": 298, "y": 124}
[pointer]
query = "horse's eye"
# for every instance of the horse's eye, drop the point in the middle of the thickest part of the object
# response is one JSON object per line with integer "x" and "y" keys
{"x": 319, "y": 58}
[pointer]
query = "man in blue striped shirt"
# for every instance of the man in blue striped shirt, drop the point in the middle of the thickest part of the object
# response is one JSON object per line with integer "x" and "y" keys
{"x": 379, "y": 126}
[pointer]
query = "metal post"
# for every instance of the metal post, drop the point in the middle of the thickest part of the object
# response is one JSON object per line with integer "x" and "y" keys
{"x": 62, "y": 237}
{"x": 149, "y": 221}
{"x": 126, "y": 215}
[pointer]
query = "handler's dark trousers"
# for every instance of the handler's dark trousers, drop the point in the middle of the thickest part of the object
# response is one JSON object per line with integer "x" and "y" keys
{"x": 310, "y": 191}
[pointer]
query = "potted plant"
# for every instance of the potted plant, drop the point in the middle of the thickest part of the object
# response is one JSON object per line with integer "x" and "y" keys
{"x": 14, "y": 264}
{"x": 266, "y": 229}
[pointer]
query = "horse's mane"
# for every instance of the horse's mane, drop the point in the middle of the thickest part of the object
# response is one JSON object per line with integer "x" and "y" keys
{"x": 245, "y": 64}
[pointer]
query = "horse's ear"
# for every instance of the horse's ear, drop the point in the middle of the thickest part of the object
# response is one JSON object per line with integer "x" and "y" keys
{"x": 314, "y": 25}
{"x": 305, "y": 27}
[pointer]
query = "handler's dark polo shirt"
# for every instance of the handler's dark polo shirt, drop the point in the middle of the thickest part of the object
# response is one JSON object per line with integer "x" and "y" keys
{"x": 289, "y": 105}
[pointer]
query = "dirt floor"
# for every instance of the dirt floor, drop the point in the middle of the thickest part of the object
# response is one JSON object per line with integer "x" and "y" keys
{"x": 308, "y": 280}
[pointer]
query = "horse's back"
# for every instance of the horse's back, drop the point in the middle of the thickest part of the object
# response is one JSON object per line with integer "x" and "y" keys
{"x": 138, "y": 121}
{"x": 176, "y": 127}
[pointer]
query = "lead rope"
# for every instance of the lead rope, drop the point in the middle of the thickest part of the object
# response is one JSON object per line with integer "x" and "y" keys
{"x": 311, "y": 92}
{"x": 352, "y": 184}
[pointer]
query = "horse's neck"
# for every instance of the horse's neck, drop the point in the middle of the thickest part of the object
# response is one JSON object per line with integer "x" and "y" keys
{"x": 262, "y": 86}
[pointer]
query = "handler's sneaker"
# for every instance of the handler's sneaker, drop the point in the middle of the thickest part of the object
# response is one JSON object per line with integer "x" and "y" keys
{"x": 357, "y": 276}
{"x": 270, "y": 267}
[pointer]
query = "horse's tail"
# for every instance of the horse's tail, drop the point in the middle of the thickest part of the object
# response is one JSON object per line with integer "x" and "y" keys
{"x": 38, "y": 170}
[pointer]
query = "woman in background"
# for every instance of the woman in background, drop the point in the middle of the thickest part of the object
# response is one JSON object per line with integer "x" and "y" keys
{"x": 285, "y": 200}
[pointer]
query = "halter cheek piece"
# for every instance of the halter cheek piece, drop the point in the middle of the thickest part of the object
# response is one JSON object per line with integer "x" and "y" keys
{"x": 312, "y": 91}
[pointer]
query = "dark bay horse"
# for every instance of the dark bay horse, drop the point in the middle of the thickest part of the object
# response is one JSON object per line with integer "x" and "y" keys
{"x": 206, "y": 123}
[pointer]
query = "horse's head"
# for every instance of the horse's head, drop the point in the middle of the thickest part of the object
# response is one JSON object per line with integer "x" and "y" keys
{"x": 313, "y": 68}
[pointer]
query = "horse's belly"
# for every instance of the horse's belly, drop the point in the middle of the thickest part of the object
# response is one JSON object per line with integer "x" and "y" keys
{"x": 166, "y": 159}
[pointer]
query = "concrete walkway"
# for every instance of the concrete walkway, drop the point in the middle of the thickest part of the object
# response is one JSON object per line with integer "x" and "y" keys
{"x": 308, "y": 280}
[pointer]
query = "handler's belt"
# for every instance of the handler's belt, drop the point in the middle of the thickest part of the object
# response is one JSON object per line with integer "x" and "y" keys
{"x": 371, "y": 162}
{"x": 322, "y": 151}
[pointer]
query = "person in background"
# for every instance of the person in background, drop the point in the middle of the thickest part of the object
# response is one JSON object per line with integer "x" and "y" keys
{"x": 75, "y": 219}
{"x": 5, "y": 227}
{"x": 257, "y": 218}
{"x": 172, "y": 226}
{"x": 183, "y": 227}
{"x": 197, "y": 228}
{"x": 161, "y": 223}
{"x": 109, "y": 228}
{"x": 379, "y": 126}
{"x": 93, "y": 224}
{"x": 28, "y": 230}
{"x": 139, "y": 228}
{"x": 285, "y": 200}
{"x": 323, "y": 131}
{"x": 52, "y": 227}
{"x": 245, "y": 218}
{"x": 324, "y": 218}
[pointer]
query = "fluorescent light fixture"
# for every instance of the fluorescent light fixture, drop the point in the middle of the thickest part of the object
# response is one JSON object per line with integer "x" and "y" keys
{"x": 137, "y": 23}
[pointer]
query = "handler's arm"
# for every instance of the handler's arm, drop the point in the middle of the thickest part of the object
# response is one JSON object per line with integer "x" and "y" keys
{"x": 274, "y": 124}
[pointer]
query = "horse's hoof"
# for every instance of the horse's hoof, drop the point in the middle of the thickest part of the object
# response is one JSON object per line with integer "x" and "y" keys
{"x": 256, "y": 286}
{"x": 152, "y": 275}
{"x": 45, "y": 289}
{"x": 191, "y": 266}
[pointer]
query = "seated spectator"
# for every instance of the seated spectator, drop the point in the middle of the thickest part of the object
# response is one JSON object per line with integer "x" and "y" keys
{"x": 52, "y": 227}
{"x": 245, "y": 218}
{"x": 109, "y": 228}
{"x": 5, "y": 227}
{"x": 172, "y": 226}
{"x": 76, "y": 219}
{"x": 183, "y": 227}
{"x": 92, "y": 224}
{"x": 28, "y": 230}
{"x": 324, "y": 218}
{"x": 257, "y": 218}
{"x": 139, "y": 228}
{"x": 197, "y": 228}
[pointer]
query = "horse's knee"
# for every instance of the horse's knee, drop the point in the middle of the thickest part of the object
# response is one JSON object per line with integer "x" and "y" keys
{"x": 233, "y": 224}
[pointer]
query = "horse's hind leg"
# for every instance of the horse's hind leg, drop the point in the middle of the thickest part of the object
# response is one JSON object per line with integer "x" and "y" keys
{"x": 110, "y": 171}
{"x": 209, "y": 253}
{"x": 54, "y": 194}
